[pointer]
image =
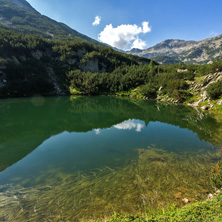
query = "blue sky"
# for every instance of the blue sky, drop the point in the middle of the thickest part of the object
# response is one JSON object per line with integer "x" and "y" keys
{"x": 141, "y": 23}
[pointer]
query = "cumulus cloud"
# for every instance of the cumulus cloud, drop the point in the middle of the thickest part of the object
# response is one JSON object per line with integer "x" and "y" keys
{"x": 139, "y": 44}
{"x": 97, "y": 21}
{"x": 124, "y": 35}
{"x": 97, "y": 131}
{"x": 129, "y": 125}
{"x": 146, "y": 27}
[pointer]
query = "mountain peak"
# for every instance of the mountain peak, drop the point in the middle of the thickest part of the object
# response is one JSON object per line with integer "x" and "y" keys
{"x": 19, "y": 15}
{"x": 135, "y": 50}
{"x": 191, "y": 52}
{"x": 20, "y": 3}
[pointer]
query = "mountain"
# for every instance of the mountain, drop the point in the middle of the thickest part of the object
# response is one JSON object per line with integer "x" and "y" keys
{"x": 19, "y": 15}
{"x": 166, "y": 60}
{"x": 31, "y": 64}
{"x": 189, "y": 52}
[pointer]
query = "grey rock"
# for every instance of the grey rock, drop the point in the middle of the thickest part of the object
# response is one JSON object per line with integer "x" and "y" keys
{"x": 37, "y": 55}
{"x": 160, "y": 89}
{"x": 204, "y": 96}
{"x": 219, "y": 102}
{"x": 204, "y": 108}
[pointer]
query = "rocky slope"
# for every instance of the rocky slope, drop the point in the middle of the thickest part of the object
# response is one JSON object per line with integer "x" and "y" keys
{"x": 198, "y": 96}
{"x": 198, "y": 89}
{"x": 189, "y": 52}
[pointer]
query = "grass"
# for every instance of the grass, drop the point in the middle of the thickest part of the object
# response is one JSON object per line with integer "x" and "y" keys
{"x": 207, "y": 210}
{"x": 192, "y": 99}
{"x": 212, "y": 105}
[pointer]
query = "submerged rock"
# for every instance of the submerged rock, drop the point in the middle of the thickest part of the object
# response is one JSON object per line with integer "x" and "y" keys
{"x": 185, "y": 200}
{"x": 210, "y": 196}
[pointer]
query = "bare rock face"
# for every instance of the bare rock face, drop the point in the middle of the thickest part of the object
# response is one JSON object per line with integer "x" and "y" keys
{"x": 196, "y": 104}
{"x": 71, "y": 61}
{"x": 81, "y": 52}
{"x": 202, "y": 85}
{"x": 3, "y": 80}
{"x": 204, "y": 96}
{"x": 52, "y": 76}
{"x": 90, "y": 66}
{"x": 182, "y": 70}
{"x": 37, "y": 55}
{"x": 212, "y": 78}
{"x": 12, "y": 59}
{"x": 199, "y": 89}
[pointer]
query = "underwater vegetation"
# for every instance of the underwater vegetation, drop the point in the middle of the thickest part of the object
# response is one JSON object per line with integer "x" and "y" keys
{"x": 163, "y": 171}
{"x": 151, "y": 183}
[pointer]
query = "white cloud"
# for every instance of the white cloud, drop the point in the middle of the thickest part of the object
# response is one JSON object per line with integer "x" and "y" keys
{"x": 146, "y": 27}
{"x": 129, "y": 125}
{"x": 124, "y": 35}
{"x": 97, "y": 131}
{"x": 139, "y": 44}
{"x": 97, "y": 21}
{"x": 213, "y": 34}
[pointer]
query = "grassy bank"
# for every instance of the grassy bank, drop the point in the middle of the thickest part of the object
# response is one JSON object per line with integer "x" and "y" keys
{"x": 207, "y": 210}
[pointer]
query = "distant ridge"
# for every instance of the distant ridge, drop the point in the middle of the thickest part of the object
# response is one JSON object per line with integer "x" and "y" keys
{"x": 189, "y": 52}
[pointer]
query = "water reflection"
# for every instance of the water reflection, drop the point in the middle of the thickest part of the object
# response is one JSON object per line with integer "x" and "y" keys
{"x": 129, "y": 125}
{"x": 107, "y": 153}
{"x": 24, "y": 127}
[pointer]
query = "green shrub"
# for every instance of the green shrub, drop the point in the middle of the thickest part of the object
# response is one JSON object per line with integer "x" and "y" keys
{"x": 148, "y": 90}
{"x": 214, "y": 90}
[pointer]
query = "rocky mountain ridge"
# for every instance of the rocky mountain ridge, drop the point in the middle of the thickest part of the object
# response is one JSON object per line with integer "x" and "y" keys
{"x": 189, "y": 52}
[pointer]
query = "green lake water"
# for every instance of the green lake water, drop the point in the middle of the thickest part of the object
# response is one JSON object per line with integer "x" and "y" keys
{"x": 73, "y": 158}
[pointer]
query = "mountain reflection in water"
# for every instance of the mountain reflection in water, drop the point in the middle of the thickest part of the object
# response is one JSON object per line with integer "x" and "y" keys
{"x": 101, "y": 154}
{"x": 24, "y": 126}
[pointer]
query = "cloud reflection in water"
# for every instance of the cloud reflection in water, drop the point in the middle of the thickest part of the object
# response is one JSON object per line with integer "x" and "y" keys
{"x": 129, "y": 125}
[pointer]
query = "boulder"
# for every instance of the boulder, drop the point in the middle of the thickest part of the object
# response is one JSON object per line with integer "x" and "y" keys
{"x": 185, "y": 200}
{"x": 219, "y": 102}
{"x": 204, "y": 108}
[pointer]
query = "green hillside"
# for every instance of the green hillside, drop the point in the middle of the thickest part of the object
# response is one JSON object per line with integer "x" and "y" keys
{"x": 18, "y": 15}
{"x": 30, "y": 64}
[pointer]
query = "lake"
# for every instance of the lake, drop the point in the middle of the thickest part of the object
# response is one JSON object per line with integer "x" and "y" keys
{"x": 72, "y": 158}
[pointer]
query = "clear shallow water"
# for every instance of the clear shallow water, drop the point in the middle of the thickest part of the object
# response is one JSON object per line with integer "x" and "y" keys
{"x": 56, "y": 142}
